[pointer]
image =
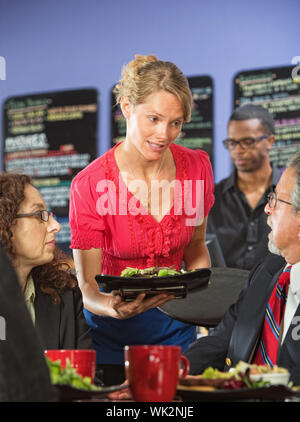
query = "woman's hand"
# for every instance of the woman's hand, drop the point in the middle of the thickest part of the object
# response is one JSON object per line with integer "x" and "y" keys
{"x": 122, "y": 394}
{"x": 124, "y": 310}
{"x": 88, "y": 263}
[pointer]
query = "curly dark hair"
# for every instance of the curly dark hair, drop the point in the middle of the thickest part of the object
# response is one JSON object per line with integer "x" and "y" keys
{"x": 52, "y": 278}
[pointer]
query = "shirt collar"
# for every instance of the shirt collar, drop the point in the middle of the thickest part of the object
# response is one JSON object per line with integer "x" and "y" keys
{"x": 295, "y": 278}
{"x": 29, "y": 291}
{"x": 231, "y": 181}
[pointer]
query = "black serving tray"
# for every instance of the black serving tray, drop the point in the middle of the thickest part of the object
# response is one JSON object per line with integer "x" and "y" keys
{"x": 69, "y": 393}
{"x": 180, "y": 285}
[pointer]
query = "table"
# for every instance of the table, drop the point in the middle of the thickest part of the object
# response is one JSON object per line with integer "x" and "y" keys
{"x": 206, "y": 307}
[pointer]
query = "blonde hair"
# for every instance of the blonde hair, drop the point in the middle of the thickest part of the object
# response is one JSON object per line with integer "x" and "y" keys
{"x": 146, "y": 74}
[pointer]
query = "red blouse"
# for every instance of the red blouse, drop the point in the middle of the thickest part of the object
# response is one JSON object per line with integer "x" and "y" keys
{"x": 104, "y": 213}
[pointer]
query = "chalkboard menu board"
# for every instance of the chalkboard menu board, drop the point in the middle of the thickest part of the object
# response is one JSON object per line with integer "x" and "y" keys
{"x": 198, "y": 133}
{"x": 51, "y": 137}
{"x": 274, "y": 89}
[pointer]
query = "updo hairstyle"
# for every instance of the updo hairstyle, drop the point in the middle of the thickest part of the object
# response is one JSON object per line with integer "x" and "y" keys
{"x": 146, "y": 75}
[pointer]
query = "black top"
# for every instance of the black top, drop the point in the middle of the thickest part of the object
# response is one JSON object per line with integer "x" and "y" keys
{"x": 241, "y": 231}
{"x": 24, "y": 375}
{"x": 61, "y": 326}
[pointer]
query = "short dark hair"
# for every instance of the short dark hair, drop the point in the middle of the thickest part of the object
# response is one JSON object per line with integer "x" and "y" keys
{"x": 251, "y": 111}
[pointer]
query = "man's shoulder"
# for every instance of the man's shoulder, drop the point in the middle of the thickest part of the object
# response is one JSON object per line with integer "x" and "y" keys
{"x": 274, "y": 260}
{"x": 271, "y": 264}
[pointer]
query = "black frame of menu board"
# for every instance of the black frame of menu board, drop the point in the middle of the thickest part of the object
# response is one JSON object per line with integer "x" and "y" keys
{"x": 51, "y": 136}
{"x": 274, "y": 89}
{"x": 197, "y": 134}
{"x": 117, "y": 121}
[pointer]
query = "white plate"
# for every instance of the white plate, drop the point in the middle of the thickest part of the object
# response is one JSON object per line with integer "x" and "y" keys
{"x": 274, "y": 379}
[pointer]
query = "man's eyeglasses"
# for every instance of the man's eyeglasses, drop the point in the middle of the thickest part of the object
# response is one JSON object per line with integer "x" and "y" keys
{"x": 245, "y": 143}
{"x": 272, "y": 200}
{"x": 43, "y": 214}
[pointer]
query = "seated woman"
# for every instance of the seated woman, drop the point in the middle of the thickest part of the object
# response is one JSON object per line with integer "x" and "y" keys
{"x": 27, "y": 234}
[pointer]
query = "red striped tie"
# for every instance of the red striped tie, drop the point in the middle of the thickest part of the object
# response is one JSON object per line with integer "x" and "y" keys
{"x": 268, "y": 345}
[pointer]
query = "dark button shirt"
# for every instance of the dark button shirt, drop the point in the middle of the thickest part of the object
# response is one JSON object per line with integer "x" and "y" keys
{"x": 241, "y": 231}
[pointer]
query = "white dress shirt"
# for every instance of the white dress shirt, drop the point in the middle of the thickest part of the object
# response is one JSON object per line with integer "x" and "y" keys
{"x": 292, "y": 303}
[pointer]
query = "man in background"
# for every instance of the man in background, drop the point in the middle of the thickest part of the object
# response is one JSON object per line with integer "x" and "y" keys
{"x": 237, "y": 217}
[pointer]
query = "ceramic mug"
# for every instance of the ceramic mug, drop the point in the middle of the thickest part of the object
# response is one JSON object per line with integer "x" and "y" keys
{"x": 83, "y": 361}
{"x": 153, "y": 371}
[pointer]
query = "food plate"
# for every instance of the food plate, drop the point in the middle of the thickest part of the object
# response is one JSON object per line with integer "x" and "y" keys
{"x": 179, "y": 284}
{"x": 269, "y": 393}
{"x": 274, "y": 379}
{"x": 68, "y": 393}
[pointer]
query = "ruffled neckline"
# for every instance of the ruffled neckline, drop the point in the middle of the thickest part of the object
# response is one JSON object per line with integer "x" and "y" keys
{"x": 167, "y": 228}
{"x": 114, "y": 174}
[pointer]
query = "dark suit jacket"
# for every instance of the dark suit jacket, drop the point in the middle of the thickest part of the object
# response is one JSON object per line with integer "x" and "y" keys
{"x": 62, "y": 326}
{"x": 24, "y": 375}
{"x": 236, "y": 336}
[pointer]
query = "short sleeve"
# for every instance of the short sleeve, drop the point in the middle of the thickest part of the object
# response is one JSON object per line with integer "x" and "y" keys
{"x": 87, "y": 226}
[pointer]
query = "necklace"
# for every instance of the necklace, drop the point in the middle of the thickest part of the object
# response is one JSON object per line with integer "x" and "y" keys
{"x": 145, "y": 201}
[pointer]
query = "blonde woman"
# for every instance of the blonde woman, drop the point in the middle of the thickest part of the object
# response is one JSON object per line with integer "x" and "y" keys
{"x": 133, "y": 207}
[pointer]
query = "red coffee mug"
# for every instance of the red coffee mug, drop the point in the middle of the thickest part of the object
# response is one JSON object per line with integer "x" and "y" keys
{"x": 153, "y": 371}
{"x": 83, "y": 361}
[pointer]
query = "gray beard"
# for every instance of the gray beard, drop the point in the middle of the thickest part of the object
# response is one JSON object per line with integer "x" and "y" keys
{"x": 273, "y": 248}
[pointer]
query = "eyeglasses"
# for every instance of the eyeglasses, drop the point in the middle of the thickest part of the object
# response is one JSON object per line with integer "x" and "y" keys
{"x": 272, "y": 200}
{"x": 43, "y": 214}
{"x": 245, "y": 143}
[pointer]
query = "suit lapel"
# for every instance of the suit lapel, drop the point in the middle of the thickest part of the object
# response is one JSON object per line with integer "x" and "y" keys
{"x": 251, "y": 316}
{"x": 47, "y": 319}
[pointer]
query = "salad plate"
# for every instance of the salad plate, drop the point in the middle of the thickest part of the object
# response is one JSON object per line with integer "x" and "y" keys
{"x": 243, "y": 382}
{"x": 267, "y": 393}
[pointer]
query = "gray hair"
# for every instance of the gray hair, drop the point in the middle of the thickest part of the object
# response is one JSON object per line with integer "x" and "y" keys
{"x": 294, "y": 163}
